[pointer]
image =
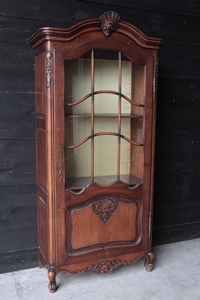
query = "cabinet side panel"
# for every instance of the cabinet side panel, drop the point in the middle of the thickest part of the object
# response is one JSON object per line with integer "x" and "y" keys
{"x": 41, "y": 162}
{"x": 40, "y": 83}
{"x": 42, "y": 223}
{"x": 41, "y": 157}
{"x": 41, "y": 193}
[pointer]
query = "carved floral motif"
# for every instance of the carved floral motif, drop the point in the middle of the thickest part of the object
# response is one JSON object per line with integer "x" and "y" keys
{"x": 109, "y": 266}
{"x": 105, "y": 208}
{"x": 104, "y": 267}
{"x": 109, "y": 21}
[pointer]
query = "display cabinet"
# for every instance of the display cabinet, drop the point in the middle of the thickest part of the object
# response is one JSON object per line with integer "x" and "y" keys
{"x": 95, "y": 93}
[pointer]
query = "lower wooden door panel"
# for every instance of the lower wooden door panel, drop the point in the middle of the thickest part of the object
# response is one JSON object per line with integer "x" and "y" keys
{"x": 101, "y": 225}
{"x": 107, "y": 220}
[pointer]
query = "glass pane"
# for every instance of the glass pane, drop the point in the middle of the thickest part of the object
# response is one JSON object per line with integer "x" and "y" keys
{"x": 106, "y": 74}
{"x": 126, "y": 87}
{"x": 137, "y": 130}
{"x": 138, "y": 88}
{"x": 77, "y": 129}
{"x": 126, "y": 127}
{"x": 106, "y": 104}
{"x": 105, "y": 125}
{"x": 137, "y": 151}
{"x": 136, "y": 162}
{"x": 125, "y": 158}
{"x": 78, "y": 166}
{"x": 77, "y": 79}
{"x": 105, "y": 158}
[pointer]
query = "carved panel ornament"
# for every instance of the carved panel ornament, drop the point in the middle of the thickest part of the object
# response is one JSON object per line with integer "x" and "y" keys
{"x": 105, "y": 208}
{"x": 155, "y": 80}
{"x": 104, "y": 267}
{"x": 109, "y": 21}
{"x": 48, "y": 68}
{"x": 60, "y": 163}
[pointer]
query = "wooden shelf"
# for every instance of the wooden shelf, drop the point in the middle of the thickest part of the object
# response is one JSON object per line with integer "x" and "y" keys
{"x": 132, "y": 116}
{"x": 77, "y": 184}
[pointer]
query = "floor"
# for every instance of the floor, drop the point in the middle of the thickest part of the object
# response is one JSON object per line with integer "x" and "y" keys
{"x": 176, "y": 277}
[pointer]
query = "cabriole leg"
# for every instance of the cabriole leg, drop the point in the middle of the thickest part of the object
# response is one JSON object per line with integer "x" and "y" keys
{"x": 52, "y": 281}
{"x": 148, "y": 261}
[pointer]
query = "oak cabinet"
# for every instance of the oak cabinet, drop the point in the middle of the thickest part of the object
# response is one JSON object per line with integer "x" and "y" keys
{"x": 95, "y": 98}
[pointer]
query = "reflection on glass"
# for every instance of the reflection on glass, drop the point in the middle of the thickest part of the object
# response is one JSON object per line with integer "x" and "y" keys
{"x": 77, "y": 79}
{"x": 78, "y": 128}
{"x": 104, "y": 105}
{"x": 105, "y": 158}
{"x": 78, "y": 166}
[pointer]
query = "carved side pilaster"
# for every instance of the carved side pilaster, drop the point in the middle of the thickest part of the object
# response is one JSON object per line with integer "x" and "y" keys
{"x": 109, "y": 21}
{"x": 48, "y": 68}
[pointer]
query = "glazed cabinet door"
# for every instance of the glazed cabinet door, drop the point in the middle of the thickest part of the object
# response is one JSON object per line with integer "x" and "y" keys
{"x": 103, "y": 121}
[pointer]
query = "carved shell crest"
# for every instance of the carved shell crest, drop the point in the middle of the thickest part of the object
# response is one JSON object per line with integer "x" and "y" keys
{"x": 105, "y": 208}
{"x": 109, "y": 21}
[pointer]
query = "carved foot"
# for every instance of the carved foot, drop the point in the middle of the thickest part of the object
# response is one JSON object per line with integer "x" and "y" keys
{"x": 148, "y": 261}
{"x": 52, "y": 287}
{"x": 52, "y": 283}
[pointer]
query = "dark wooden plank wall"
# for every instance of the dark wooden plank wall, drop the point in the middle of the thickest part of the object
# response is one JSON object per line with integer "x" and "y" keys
{"x": 177, "y": 176}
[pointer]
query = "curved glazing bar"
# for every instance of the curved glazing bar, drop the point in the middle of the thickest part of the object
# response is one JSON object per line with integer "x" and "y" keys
{"x": 103, "y": 133}
{"x": 104, "y": 92}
